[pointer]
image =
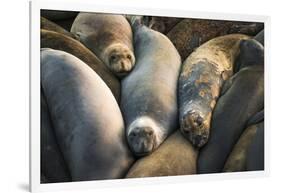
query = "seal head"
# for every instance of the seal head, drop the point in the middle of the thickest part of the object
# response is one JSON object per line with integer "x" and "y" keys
{"x": 119, "y": 59}
{"x": 142, "y": 136}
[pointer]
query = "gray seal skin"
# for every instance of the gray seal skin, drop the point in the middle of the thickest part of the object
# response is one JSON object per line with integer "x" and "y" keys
{"x": 53, "y": 165}
{"x": 176, "y": 156}
{"x": 260, "y": 37}
{"x": 49, "y": 25}
{"x": 87, "y": 120}
{"x": 200, "y": 81}
{"x": 149, "y": 92}
{"x": 243, "y": 99}
{"x": 251, "y": 53}
{"x": 189, "y": 34}
{"x": 109, "y": 36}
{"x": 57, "y": 41}
{"x": 236, "y": 160}
{"x": 255, "y": 156}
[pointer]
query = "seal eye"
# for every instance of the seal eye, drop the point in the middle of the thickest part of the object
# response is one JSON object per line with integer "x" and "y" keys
{"x": 150, "y": 133}
{"x": 129, "y": 57}
{"x": 113, "y": 58}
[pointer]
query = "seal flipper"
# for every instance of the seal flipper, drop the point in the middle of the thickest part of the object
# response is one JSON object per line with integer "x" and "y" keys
{"x": 227, "y": 84}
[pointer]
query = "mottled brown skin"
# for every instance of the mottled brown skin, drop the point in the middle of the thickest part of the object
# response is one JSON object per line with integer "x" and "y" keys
{"x": 58, "y": 41}
{"x": 236, "y": 161}
{"x": 189, "y": 34}
{"x": 176, "y": 156}
{"x": 51, "y": 26}
{"x": 200, "y": 81}
{"x": 110, "y": 37}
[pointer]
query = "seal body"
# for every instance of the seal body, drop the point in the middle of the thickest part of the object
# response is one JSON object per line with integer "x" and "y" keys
{"x": 200, "y": 81}
{"x": 176, "y": 156}
{"x": 255, "y": 156}
{"x": 260, "y": 37}
{"x": 189, "y": 34}
{"x": 236, "y": 161}
{"x": 58, "y": 41}
{"x": 51, "y": 26}
{"x": 149, "y": 92}
{"x": 243, "y": 99}
{"x": 53, "y": 166}
{"x": 251, "y": 53}
{"x": 109, "y": 36}
{"x": 87, "y": 120}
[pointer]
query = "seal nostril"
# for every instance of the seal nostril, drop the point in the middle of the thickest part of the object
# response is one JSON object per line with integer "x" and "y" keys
{"x": 197, "y": 140}
{"x": 199, "y": 121}
{"x": 149, "y": 133}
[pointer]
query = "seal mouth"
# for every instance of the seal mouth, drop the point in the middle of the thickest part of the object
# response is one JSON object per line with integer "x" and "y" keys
{"x": 121, "y": 74}
{"x": 142, "y": 154}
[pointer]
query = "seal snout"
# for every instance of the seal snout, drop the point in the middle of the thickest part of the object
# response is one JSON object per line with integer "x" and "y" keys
{"x": 141, "y": 140}
{"x": 193, "y": 128}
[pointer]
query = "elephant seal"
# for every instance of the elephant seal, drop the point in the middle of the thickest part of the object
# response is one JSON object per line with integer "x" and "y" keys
{"x": 87, "y": 120}
{"x": 201, "y": 78}
{"x": 260, "y": 37}
{"x": 149, "y": 92}
{"x": 243, "y": 99}
{"x": 109, "y": 37}
{"x": 58, "y": 41}
{"x": 52, "y": 162}
{"x": 189, "y": 34}
{"x": 176, "y": 156}
{"x": 236, "y": 161}
{"x": 255, "y": 156}
{"x": 51, "y": 26}
{"x": 251, "y": 53}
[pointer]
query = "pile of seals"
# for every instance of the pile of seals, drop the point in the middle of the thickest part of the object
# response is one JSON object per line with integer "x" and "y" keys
{"x": 127, "y": 96}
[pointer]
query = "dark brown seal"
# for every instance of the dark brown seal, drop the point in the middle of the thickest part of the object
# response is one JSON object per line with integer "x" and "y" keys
{"x": 255, "y": 156}
{"x": 243, "y": 99}
{"x": 58, "y": 41}
{"x": 236, "y": 160}
{"x": 251, "y": 52}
